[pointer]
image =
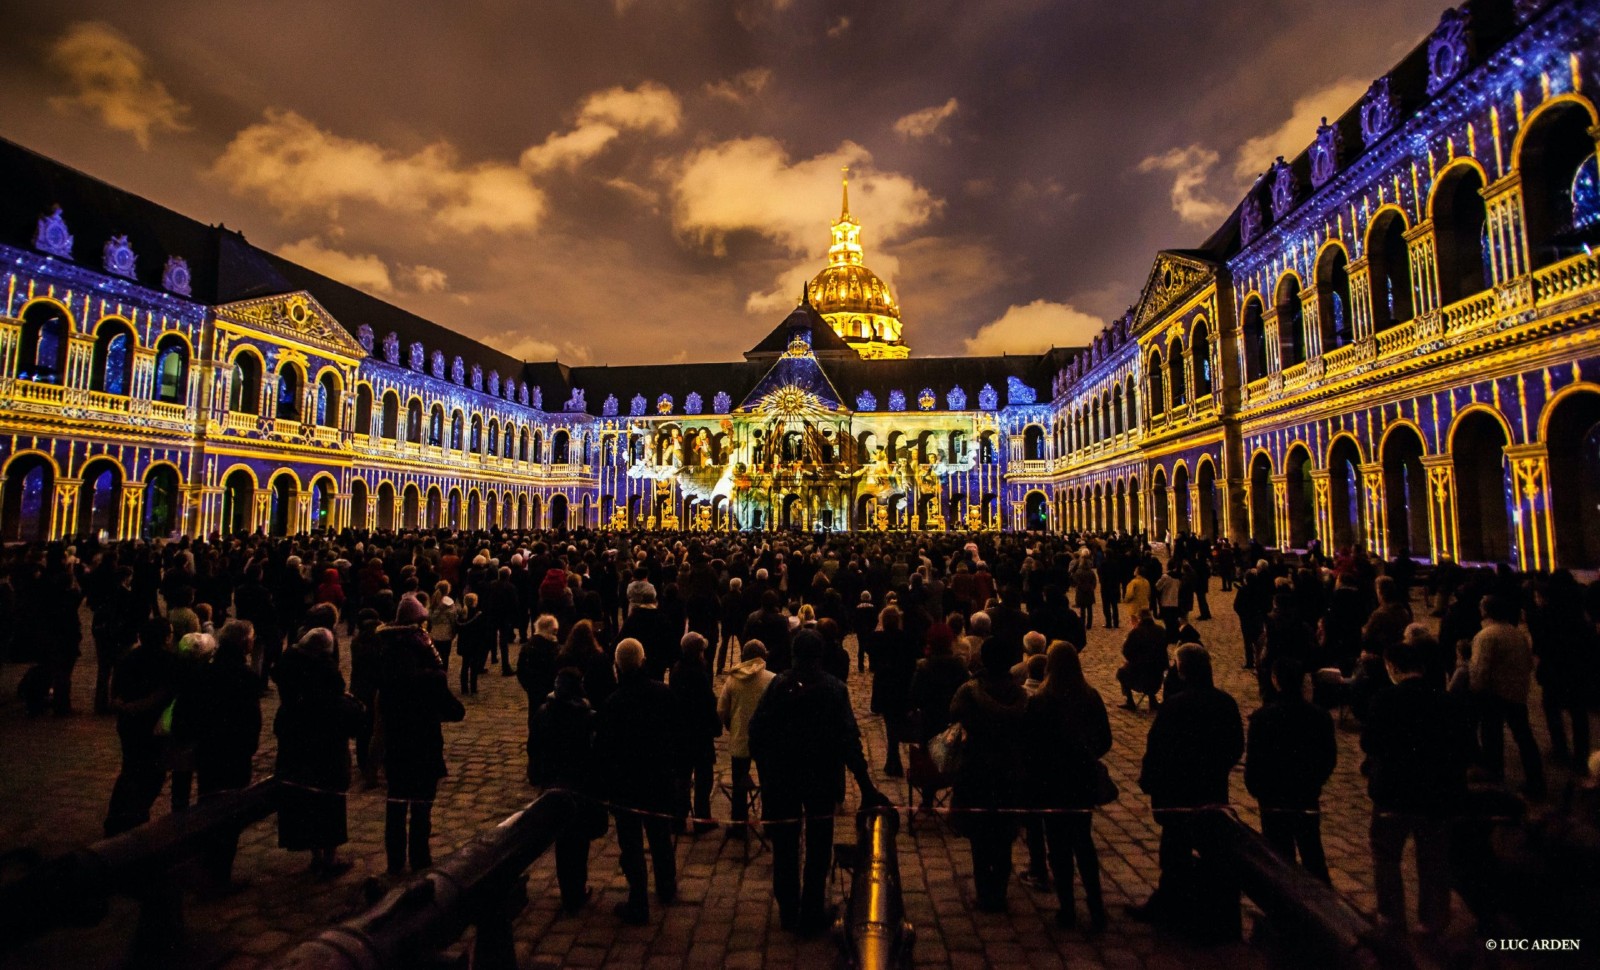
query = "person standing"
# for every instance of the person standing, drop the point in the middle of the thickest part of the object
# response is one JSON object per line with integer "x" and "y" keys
{"x": 741, "y": 693}
{"x": 990, "y": 708}
{"x": 115, "y": 629}
{"x": 143, "y": 683}
{"x": 316, "y": 720}
{"x": 635, "y": 750}
{"x": 1289, "y": 755}
{"x": 413, "y": 701}
{"x": 1501, "y": 672}
{"x": 536, "y": 661}
{"x": 769, "y": 625}
{"x": 1195, "y": 741}
{"x": 1068, "y": 733}
{"x": 1418, "y": 746}
{"x": 1167, "y": 589}
{"x": 1084, "y": 581}
{"x": 894, "y": 662}
{"x": 803, "y": 736}
{"x": 690, "y": 683}
{"x": 219, "y": 714}
{"x": 560, "y": 743}
{"x": 443, "y": 613}
{"x": 475, "y": 636}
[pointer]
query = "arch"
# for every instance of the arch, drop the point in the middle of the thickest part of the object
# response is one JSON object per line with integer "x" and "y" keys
{"x": 1132, "y": 400}
{"x": 560, "y": 450}
{"x": 291, "y": 380}
{"x": 522, "y": 512}
{"x": 112, "y": 368}
{"x": 1158, "y": 503}
{"x": 508, "y": 440}
{"x": 1263, "y": 511}
{"x": 1120, "y": 521}
{"x": 522, "y": 445}
{"x": 42, "y": 346}
{"x": 1254, "y": 344}
{"x": 386, "y": 510}
{"x": 454, "y": 510}
{"x": 1135, "y": 511}
{"x": 1405, "y": 489}
{"x": 1291, "y": 321}
{"x": 896, "y": 442}
{"x": 1477, "y": 451}
{"x": 475, "y": 436}
{"x": 29, "y": 498}
{"x": 435, "y": 508}
{"x": 1335, "y": 318}
{"x": 411, "y": 507}
{"x": 1177, "y": 378}
{"x": 358, "y": 504}
{"x": 491, "y": 510}
{"x": 491, "y": 444}
{"x": 538, "y": 446}
{"x": 244, "y": 392}
{"x": 457, "y": 422}
{"x": 536, "y": 511}
{"x": 986, "y": 449}
{"x": 1033, "y": 443}
{"x": 414, "y": 420}
{"x": 172, "y": 369}
{"x": 162, "y": 485}
{"x": 99, "y": 502}
{"x": 1389, "y": 268}
{"x": 508, "y": 510}
{"x": 558, "y": 512}
{"x": 1570, "y": 429}
{"x": 363, "y": 408}
{"x": 1459, "y": 228}
{"x": 436, "y": 425}
{"x": 1346, "y": 493}
{"x": 1555, "y": 154}
{"x": 1035, "y": 516}
{"x": 330, "y": 398}
{"x": 282, "y": 511}
{"x": 1300, "y": 494}
{"x": 390, "y": 421}
{"x": 1182, "y": 520}
{"x": 1157, "y": 372}
{"x": 322, "y": 489}
{"x": 474, "y": 510}
{"x": 238, "y": 500}
{"x": 1116, "y": 409}
{"x": 1205, "y": 480}
{"x": 1200, "y": 359}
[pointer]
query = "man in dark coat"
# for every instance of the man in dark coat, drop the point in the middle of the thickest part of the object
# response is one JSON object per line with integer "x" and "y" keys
{"x": 414, "y": 699}
{"x": 116, "y": 627}
{"x": 1418, "y": 746}
{"x": 506, "y": 615}
{"x": 802, "y": 734}
{"x": 649, "y": 625}
{"x": 1193, "y": 745}
{"x": 252, "y": 602}
{"x": 1144, "y": 656}
{"x": 635, "y": 750}
{"x": 771, "y": 627}
{"x": 560, "y": 742}
{"x": 143, "y": 683}
{"x": 536, "y": 662}
{"x": 701, "y": 726}
{"x": 1290, "y": 754}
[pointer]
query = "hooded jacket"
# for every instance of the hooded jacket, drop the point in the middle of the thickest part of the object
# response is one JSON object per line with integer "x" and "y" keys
{"x": 741, "y": 692}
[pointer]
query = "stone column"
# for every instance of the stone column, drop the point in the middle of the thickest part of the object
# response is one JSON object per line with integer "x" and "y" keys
{"x": 63, "y": 512}
{"x": 1424, "y": 268}
{"x": 1311, "y": 322}
{"x": 1441, "y": 505}
{"x": 1377, "y": 509}
{"x": 132, "y": 509}
{"x": 1530, "y": 489}
{"x": 1324, "y": 509}
{"x": 1280, "y": 510}
{"x": 1360, "y": 272}
{"x": 1508, "y": 247}
{"x": 261, "y": 510}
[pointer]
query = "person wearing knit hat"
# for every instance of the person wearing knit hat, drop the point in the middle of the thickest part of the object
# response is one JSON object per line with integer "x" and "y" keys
{"x": 411, "y": 612}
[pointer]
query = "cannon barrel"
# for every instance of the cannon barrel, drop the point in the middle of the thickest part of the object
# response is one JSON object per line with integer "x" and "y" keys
{"x": 75, "y": 887}
{"x": 477, "y": 885}
{"x": 876, "y": 934}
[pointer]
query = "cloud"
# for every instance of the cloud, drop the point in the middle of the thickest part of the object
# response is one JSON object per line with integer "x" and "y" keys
{"x": 1191, "y": 170}
{"x": 603, "y": 117}
{"x": 362, "y": 271}
{"x": 742, "y": 87}
{"x": 109, "y": 79}
{"x": 296, "y": 167}
{"x": 751, "y": 184}
{"x": 1035, "y": 328}
{"x": 428, "y": 279}
{"x": 925, "y": 123}
{"x": 1290, "y": 138}
{"x": 524, "y": 346}
{"x": 838, "y": 26}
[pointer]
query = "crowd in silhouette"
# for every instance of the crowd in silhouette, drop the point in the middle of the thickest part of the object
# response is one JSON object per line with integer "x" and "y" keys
{"x": 637, "y": 651}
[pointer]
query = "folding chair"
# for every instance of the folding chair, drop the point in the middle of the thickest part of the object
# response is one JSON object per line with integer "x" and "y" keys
{"x": 922, "y": 773}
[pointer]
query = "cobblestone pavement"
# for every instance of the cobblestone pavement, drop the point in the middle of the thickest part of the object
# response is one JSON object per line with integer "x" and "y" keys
{"x": 56, "y": 775}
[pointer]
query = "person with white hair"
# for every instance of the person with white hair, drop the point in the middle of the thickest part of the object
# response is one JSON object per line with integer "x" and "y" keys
{"x": 635, "y": 748}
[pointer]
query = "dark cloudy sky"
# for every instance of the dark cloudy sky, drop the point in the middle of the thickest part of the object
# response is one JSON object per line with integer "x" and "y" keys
{"x": 625, "y": 181}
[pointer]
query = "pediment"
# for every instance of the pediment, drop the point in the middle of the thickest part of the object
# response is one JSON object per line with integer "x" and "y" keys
{"x": 1173, "y": 278}
{"x": 297, "y": 316}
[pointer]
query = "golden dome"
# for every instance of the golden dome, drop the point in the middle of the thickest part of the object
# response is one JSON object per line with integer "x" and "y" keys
{"x": 852, "y": 288}
{"x": 853, "y": 299}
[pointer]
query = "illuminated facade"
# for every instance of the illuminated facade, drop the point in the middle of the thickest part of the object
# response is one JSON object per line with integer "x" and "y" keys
{"x": 1391, "y": 341}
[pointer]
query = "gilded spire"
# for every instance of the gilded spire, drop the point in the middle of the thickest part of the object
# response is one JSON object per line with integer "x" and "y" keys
{"x": 844, "y": 208}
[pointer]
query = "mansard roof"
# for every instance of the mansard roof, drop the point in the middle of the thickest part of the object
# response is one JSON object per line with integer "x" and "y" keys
{"x": 825, "y": 343}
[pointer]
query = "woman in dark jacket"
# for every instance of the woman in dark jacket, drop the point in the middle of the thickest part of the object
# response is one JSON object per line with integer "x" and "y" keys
{"x": 583, "y": 651}
{"x": 933, "y": 686}
{"x": 894, "y": 661}
{"x": 560, "y": 736}
{"x": 701, "y": 726}
{"x": 315, "y": 722}
{"x": 991, "y": 708}
{"x": 474, "y": 639}
{"x": 1068, "y": 734}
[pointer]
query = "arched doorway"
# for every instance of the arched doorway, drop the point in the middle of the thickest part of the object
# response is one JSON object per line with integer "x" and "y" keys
{"x": 1034, "y": 517}
{"x": 1135, "y": 521}
{"x": 522, "y": 510}
{"x": 238, "y": 495}
{"x": 1572, "y": 433}
{"x": 790, "y": 520}
{"x": 1122, "y": 507}
{"x": 358, "y": 505}
{"x": 435, "y": 507}
{"x": 99, "y": 499}
{"x": 1263, "y": 517}
{"x": 1180, "y": 497}
{"x": 491, "y": 511}
{"x": 160, "y": 502}
{"x": 29, "y": 486}
{"x": 1405, "y": 492}
{"x": 536, "y": 512}
{"x": 558, "y": 512}
{"x": 285, "y": 494}
{"x": 1346, "y": 496}
{"x": 321, "y": 504}
{"x": 411, "y": 514}
{"x": 474, "y": 510}
{"x": 1477, "y": 451}
{"x": 1205, "y": 479}
{"x": 1158, "y": 504}
{"x": 386, "y": 507}
{"x": 1459, "y": 218}
{"x": 1301, "y": 497}
{"x": 1560, "y": 184}
{"x": 453, "y": 511}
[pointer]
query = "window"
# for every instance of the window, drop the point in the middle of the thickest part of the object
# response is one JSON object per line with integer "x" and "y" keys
{"x": 329, "y": 401}
{"x": 245, "y": 393}
{"x": 42, "y": 356}
{"x": 364, "y": 409}
{"x": 414, "y": 421}
{"x": 289, "y": 393}
{"x": 113, "y": 359}
{"x": 172, "y": 371}
{"x": 391, "y": 416}
{"x": 1390, "y": 267}
{"x": 436, "y": 426}
{"x": 1291, "y": 324}
{"x": 1459, "y": 226}
{"x": 1200, "y": 354}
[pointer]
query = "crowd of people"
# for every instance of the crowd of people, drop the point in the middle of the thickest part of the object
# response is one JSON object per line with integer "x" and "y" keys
{"x": 620, "y": 640}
